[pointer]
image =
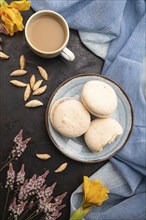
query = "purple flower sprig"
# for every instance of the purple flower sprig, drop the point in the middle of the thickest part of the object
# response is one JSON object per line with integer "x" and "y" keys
{"x": 17, "y": 150}
{"x": 17, "y": 208}
{"x": 32, "y": 193}
{"x": 29, "y": 194}
{"x": 10, "y": 182}
{"x": 10, "y": 177}
{"x": 20, "y": 177}
{"x": 32, "y": 186}
{"x": 49, "y": 205}
{"x": 19, "y": 146}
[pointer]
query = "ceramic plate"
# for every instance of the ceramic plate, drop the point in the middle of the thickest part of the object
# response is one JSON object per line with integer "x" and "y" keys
{"x": 76, "y": 148}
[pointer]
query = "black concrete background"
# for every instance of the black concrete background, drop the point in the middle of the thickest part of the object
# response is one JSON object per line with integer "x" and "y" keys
{"x": 14, "y": 115}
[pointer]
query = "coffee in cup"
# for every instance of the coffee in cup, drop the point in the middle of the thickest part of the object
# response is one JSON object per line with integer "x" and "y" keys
{"x": 47, "y": 34}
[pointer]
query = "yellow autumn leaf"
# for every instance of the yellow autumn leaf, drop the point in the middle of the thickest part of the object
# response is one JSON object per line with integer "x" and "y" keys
{"x": 21, "y": 5}
{"x": 10, "y": 15}
{"x": 10, "y": 25}
{"x": 94, "y": 192}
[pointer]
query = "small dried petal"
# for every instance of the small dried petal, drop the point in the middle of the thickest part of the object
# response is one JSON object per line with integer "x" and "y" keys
{"x": 22, "y": 62}
{"x": 43, "y": 156}
{"x": 37, "y": 85}
{"x": 1, "y": 40}
{"x": 3, "y": 56}
{"x": 18, "y": 83}
{"x": 32, "y": 81}
{"x": 33, "y": 103}
{"x": 40, "y": 90}
{"x": 61, "y": 168}
{"x": 27, "y": 92}
{"x": 43, "y": 72}
{"x": 18, "y": 72}
{"x": 1, "y": 48}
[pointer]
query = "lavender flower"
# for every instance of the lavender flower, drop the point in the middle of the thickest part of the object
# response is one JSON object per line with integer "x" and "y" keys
{"x": 49, "y": 217}
{"x": 19, "y": 146}
{"x": 27, "y": 189}
{"x": 13, "y": 206}
{"x": 17, "y": 209}
{"x": 10, "y": 177}
{"x": 40, "y": 181}
{"x": 20, "y": 177}
{"x": 32, "y": 186}
{"x": 59, "y": 198}
{"x": 19, "y": 149}
{"x": 46, "y": 192}
{"x": 18, "y": 138}
{"x": 56, "y": 214}
{"x": 31, "y": 204}
{"x": 51, "y": 210}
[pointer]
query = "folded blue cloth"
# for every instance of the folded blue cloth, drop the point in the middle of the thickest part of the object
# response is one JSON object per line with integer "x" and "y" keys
{"x": 120, "y": 26}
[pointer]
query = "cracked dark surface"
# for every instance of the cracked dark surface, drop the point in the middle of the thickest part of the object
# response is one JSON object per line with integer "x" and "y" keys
{"x": 14, "y": 115}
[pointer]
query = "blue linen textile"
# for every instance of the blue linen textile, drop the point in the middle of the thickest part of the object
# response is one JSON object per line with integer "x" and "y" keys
{"x": 122, "y": 25}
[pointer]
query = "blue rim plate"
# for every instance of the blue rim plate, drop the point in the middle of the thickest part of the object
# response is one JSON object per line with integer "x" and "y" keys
{"x": 76, "y": 148}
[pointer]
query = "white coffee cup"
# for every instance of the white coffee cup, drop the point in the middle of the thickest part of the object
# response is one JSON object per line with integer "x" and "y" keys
{"x": 63, "y": 50}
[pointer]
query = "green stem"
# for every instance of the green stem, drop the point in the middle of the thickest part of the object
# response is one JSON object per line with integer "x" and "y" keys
{"x": 33, "y": 215}
{"x": 8, "y": 160}
{"x": 26, "y": 212}
{"x": 80, "y": 213}
{"x": 9, "y": 218}
{"x": 11, "y": 200}
{"x": 6, "y": 164}
{"x": 6, "y": 201}
{"x": 10, "y": 153}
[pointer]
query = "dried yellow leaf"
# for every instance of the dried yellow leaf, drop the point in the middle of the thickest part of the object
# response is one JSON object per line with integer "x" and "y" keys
{"x": 37, "y": 85}
{"x": 40, "y": 90}
{"x": 11, "y": 18}
{"x": 18, "y": 83}
{"x": 43, "y": 156}
{"x": 43, "y": 72}
{"x": 22, "y": 5}
{"x": 18, "y": 72}
{"x": 61, "y": 168}
{"x": 27, "y": 92}
{"x": 22, "y": 62}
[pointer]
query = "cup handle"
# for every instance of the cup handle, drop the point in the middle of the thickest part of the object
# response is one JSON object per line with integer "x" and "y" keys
{"x": 67, "y": 54}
